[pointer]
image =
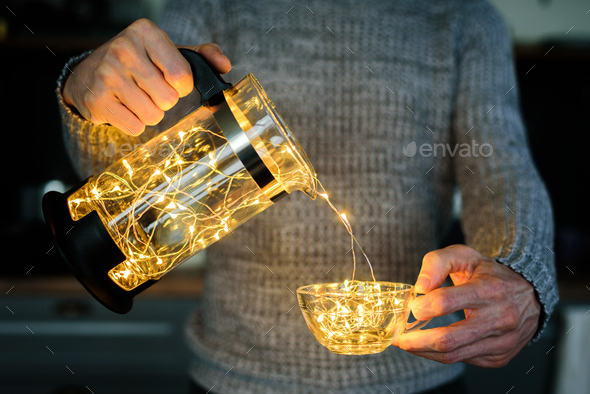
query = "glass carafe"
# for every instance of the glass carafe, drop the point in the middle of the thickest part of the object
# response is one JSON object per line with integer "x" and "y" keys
{"x": 183, "y": 190}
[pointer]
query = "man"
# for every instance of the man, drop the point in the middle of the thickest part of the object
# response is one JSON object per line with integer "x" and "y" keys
{"x": 356, "y": 83}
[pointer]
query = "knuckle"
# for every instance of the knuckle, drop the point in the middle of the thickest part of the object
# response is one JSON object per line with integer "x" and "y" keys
{"x": 510, "y": 319}
{"x": 432, "y": 259}
{"x": 430, "y": 256}
{"x": 173, "y": 97}
{"x": 142, "y": 26}
{"x": 173, "y": 101}
{"x": 507, "y": 322}
{"x": 105, "y": 73}
{"x": 216, "y": 46}
{"x": 121, "y": 47}
{"x": 450, "y": 357}
{"x": 163, "y": 33}
{"x": 496, "y": 326}
{"x": 165, "y": 97}
{"x": 494, "y": 289}
{"x": 445, "y": 343}
{"x": 441, "y": 305}
{"x": 149, "y": 116}
{"x": 457, "y": 247}
{"x": 90, "y": 100}
{"x": 154, "y": 117}
{"x": 180, "y": 74}
{"x": 170, "y": 100}
{"x": 147, "y": 72}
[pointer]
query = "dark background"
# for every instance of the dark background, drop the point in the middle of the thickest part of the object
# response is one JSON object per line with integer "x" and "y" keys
{"x": 555, "y": 100}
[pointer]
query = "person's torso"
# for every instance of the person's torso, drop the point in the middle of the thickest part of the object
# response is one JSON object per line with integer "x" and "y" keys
{"x": 355, "y": 83}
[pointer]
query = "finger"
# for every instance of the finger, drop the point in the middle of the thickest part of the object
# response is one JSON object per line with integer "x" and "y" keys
{"x": 496, "y": 360}
{"x": 491, "y": 350}
{"x": 438, "y": 264}
{"x": 214, "y": 56}
{"x": 446, "y": 300}
{"x": 138, "y": 102}
{"x": 175, "y": 68}
{"x": 444, "y": 339}
{"x": 100, "y": 107}
{"x": 151, "y": 80}
{"x": 121, "y": 117}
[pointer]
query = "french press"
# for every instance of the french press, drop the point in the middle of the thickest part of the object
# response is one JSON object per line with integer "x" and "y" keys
{"x": 122, "y": 230}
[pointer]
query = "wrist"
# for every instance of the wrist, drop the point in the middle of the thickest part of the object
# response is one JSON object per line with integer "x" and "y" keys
{"x": 66, "y": 80}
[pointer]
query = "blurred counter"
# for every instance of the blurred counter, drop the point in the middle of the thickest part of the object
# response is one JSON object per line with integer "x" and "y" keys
{"x": 179, "y": 283}
{"x": 55, "y": 338}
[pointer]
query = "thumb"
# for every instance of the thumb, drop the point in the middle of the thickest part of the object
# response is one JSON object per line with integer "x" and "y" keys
{"x": 438, "y": 264}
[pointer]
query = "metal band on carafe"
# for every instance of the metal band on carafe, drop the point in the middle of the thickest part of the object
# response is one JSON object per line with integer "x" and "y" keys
{"x": 242, "y": 147}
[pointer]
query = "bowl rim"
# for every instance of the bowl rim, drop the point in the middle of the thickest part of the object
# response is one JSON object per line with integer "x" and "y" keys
{"x": 303, "y": 289}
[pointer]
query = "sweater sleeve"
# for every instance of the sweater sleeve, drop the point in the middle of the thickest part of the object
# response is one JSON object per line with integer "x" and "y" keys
{"x": 506, "y": 212}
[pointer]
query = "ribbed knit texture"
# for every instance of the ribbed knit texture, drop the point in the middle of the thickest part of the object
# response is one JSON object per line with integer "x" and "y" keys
{"x": 356, "y": 82}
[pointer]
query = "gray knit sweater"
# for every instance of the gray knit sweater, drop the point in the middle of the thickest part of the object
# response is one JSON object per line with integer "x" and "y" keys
{"x": 357, "y": 83}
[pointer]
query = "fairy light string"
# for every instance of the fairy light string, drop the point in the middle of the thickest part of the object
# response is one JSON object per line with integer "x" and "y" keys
{"x": 353, "y": 239}
{"x": 193, "y": 196}
{"x": 356, "y": 317}
{"x": 160, "y": 211}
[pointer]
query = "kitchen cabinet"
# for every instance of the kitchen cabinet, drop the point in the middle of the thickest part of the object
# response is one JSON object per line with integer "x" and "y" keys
{"x": 63, "y": 341}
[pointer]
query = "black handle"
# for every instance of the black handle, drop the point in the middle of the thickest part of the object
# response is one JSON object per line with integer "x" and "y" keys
{"x": 207, "y": 81}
